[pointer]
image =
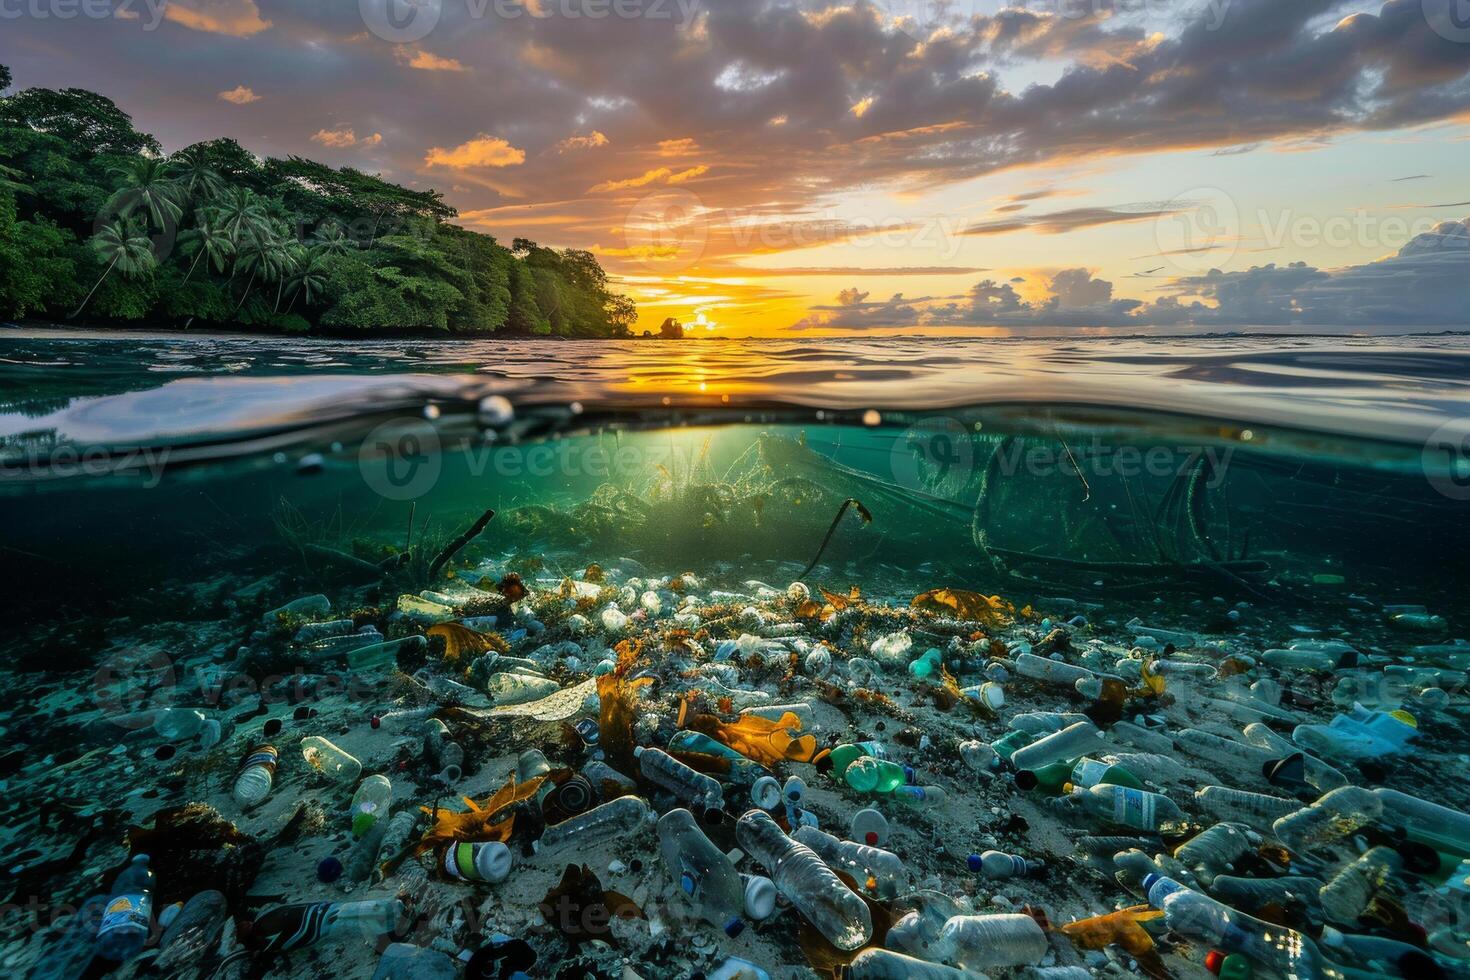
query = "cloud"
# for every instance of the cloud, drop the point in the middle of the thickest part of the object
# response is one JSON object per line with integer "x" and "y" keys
{"x": 428, "y": 61}
{"x": 677, "y": 148}
{"x": 660, "y": 175}
{"x": 1075, "y": 219}
{"x": 237, "y": 18}
{"x": 344, "y": 137}
{"x": 239, "y": 95}
{"x": 1425, "y": 285}
{"x": 590, "y": 141}
{"x": 480, "y": 152}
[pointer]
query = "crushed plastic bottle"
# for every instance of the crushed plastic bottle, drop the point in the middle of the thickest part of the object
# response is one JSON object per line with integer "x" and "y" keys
{"x": 613, "y": 818}
{"x": 702, "y": 871}
{"x": 881, "y": 871}
{"x": 806, "y": 882}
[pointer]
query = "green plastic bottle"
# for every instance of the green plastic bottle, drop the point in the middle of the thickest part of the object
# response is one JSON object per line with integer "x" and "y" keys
{"x": 870, "y": 775}
{"x": 1047, "y": 779}
{"x": 1090, "y": 772}
{"x": 1007, "y": 744}
{"x": 843, "y": 756}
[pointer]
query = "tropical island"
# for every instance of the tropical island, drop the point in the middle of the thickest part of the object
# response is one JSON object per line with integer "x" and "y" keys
{"x": 97, "y": 222}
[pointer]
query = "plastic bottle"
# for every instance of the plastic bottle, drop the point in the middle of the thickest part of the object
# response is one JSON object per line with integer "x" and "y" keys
{"x": 1124, "y": 806}
{"x": 765, "y": 793}
{"x": 870, "y": 775}
{"x": 1288, "y": 952}
{"x": 1215, "y": 750}
{"x": 882, "y": 872}
{"x": 486, "y": 861}
{"x": 615, "y": 817}
{"x": 981, "y": 942}
{"x": 445, "y": 753}
{"x": 1039, "y": 723}
{"x": 1322, "y": 776}
{"x": 980, "y": 756}
{"x": 1441, "y": 827}
{"x": 1347, "y": 893}
{"x": 128, "y": 917}
{"x": 257, "y": 773}
{"x": 921, "y": 797}
{"x": 311, "y": 632}
{"x": 818, "y": 894}
{"x": 1257, "y": 810}
{"x": 1157, "y": 769}
{"x": 916, "y": 932}
{"x": 1083, "y": 773}
{"x": 371, "y": 803}
{"x": 362, "y": 860}
{"x": 1051, "y": 671}
{"x": 507, "y": 688}
{"x": 336, "y": 647}
{"x": 326, "y": 758}
{"x": 401, "y": 831}
{"x": 687, "y": 785}
{"x": 998, "y": 865}
{"x": 1214, "y": 851}
{"x": 840, "y": 757}
{"x": 884, "y": 964}
{"x": 702, "y": 871}
{"x": 868, "y": 826}
{"x": 1072, "y": 742}
{"x": 288, "y": 927}
{"x": 1252, "y": 894}
{"x": 1334, "y": 816}
{"x": 1142, "y": 738}
{"x": 311, "y": 605}
{"x": 380, "y": 655}
{"x": 178, "y": 724}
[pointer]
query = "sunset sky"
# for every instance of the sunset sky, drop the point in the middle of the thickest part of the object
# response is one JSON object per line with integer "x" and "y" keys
{"x": 805, "y": 168}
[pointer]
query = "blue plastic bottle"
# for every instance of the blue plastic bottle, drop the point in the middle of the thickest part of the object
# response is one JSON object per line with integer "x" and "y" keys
{"x": 125, "y": 922}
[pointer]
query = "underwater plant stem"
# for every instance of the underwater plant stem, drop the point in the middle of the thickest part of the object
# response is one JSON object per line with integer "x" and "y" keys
{"x": 408, "y": 541}
{"x": 460, "y": 542}
{"x": 862, "y": 512}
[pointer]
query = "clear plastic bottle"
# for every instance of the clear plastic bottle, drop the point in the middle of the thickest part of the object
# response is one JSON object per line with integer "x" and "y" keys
{"x": 1124, "y": 806}
{"x": 1447, "y": 829}
{"x": 1072, "y": 742}
{"x": 385, "y": 655}
{"x": 921, "y": 797}
{"x": 257, "y": 773}
{"x": 1334, "y": 816}
{"x": 1142, "y": 738}
{"x": 688, "y": 785}
{"x": 615, "y": 817}
{"x": 1286, "y": 951}
{"x": 1347, "y": 893}
{"x": 287, "y": 927}
{"x": 980, "y": 756}
{"x": 326, "y": 758}
{"x": 530, "y": 764}
{"x": 306, "y": 606}
{"x": 370, "y": 803}
{"x": 916, "y": 931}
{"x": 506, "y": 688}
{"x": 362, "y": 859}
{"x": 1215, "y": 750}
{"x": 998, "y": 865}
{"x": 884, "y": 964}
{"x": 1250, "y": 894}
{"x": 402, "y": 830}
{"x": 336, "y": 647}
{"x": 882, "y": 871}
{"x": 982, "y": 942}
{"x": 1257, "y": 810}
{"x": 1215, "y": 850}
{"x": 818, "y": 894}
{"x": 1319, "y": 774}
{"x": 128, "y": 917}
{"x": 443, "y": 751}
{"x": 870, "y": 775}
{"x": 311, "y": 632}
{"x": 482, "y": 861}
{"x": 1051, "y": 671}
{"x": 702, "y": 871}
{"x": 178, "y": 724}
{"x": 1039, "y": 723}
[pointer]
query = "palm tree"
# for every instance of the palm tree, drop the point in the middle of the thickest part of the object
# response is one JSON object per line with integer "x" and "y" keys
{"x": 147, "y": 185}
{"x": 309, "y": 279}
{"x": 240, "y": 214}
{"x": 292, "y": 257}
{"x": 206, "y": 239}
{"x": 192, "y": 168}
{"x": 122, "y": 247}
{"x": 263, "y": 255}
{"x": 330, "y": 239}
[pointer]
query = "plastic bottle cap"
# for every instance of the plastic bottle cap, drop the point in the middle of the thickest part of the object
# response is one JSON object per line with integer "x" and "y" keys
{"x": 329, "y": 869}
{"x": 734, "y": 928}
{"x": 974, "y": 862}
{"x": 1213, "y": 960}
{"x": 637, "y": 751}
{"x": 871, "y": 838}
{"x": 760, "y": 897}
{"x": 492, "y": 860}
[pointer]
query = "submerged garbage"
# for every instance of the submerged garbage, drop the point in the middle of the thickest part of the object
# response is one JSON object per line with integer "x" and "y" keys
{"x": 524, "y": 768}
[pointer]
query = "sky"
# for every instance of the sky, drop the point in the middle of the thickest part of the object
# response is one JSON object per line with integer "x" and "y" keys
{"x": 798, "y": 168}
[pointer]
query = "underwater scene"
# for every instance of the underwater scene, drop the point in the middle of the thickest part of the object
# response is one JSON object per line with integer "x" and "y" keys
{"x": 901, "y": 658}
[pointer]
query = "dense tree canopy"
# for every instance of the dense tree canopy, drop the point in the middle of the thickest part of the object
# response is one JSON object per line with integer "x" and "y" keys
{"x": 96, "y": 221}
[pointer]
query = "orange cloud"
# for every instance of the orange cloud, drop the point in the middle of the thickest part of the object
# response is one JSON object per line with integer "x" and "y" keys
{"x": 661, "y": 175}
{"x": 592, "y": 140}
{"x": 240, "y": 95}
{"x": 237, "y": 18}
{"x": 428, "y": 61}
{"x": 677, "y": 148}
{"x": 344, "y": 137}
{"x": 482, "y": 151}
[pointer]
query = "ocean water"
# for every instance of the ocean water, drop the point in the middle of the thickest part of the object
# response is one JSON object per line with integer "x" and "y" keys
{"x": 160, "y": 495}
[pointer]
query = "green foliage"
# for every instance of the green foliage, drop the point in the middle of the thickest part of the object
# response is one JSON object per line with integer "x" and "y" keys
{"x": 93, "y": 215}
